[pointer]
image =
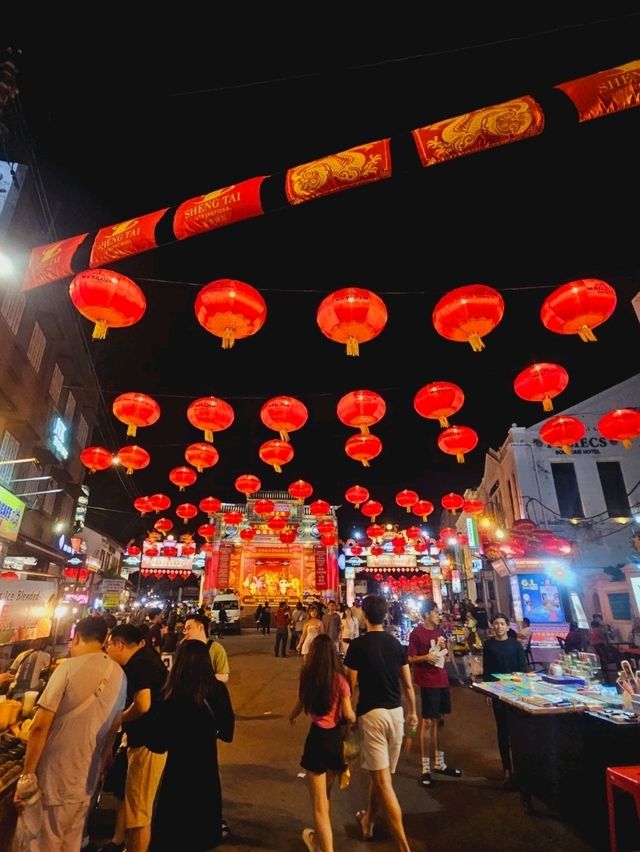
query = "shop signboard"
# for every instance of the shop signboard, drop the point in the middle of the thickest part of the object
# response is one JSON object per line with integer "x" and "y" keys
{"x": 26, "y": 610}
{"x": 456, "y": 586}
{"x": 224, "y": 563}
{"x": 349, "y": 572}
{"x": 11, "y": 512}
{"x": 540, "y": 599}
{"x": 391, "y": 560}
{"x": 320, "y": 561}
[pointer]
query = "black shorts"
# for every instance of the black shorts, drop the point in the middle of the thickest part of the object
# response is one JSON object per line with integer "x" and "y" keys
{"x": 436, "y": 701}
{"x": 324, "y": 750}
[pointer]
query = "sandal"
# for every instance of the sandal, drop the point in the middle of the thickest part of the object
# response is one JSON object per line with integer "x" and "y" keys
{"x": 360, "y": 818}
{"x": 426, "y": 780}
{"x": 448, "y": 770}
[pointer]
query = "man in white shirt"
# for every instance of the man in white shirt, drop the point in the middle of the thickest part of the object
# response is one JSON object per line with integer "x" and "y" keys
{"x": 524, "y": 634}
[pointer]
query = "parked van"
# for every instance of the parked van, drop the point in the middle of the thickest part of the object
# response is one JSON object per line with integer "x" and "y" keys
{"x": 230, "y": 603}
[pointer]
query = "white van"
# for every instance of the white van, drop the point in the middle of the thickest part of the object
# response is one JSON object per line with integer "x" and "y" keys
{"x": 230, "y": 603}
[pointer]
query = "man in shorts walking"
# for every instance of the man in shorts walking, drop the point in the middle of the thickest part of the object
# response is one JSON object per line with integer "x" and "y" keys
{"x": 376, "y": 663}
{"x": 427, "y": 654}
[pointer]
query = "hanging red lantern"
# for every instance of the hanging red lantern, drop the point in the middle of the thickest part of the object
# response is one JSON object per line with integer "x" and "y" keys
{"x": 363, "y": 448}
{"x": 352, "y": 316}
{"x": 420, "y": 545}
{"x": 210, "y": 506}
{"x": 96, "y": 458}
{"x": 288, "y": 536}
{"x": 621, "y": 424}
{"x": 284, "y": 414}
{"x": 108, "y": 299}
{"x": 170, "y": 550}
{"x": 247, "y": 533}
{"x": 326, "y": 527}
{"x": 375, "y": 530}
{"x": 463, "y": 540}
{"x": 230, "y": 309}
{"x": 355, "y": 550}
{"x": 211, "y": 415}
{"x": 357, "y": 495}
{"x": 136, "y": 410}
{"x": 133, "y": 458}
{"x": 300, "y": 489}
{"x": 187, "y": 550}
{"x": 201, "y": 455}
{"x": 413, "y": 533}
{"x": 448, "y": 532}
{"x": 320, "y": 507}
{"x": 163, "y": 525}
{"x": 473, "y": 507}
{"x": 134, "y": 550}
{"x": 452, "y": 502}
{"x": 423, "y": 508}
{"x": 186, "y": 511}
{"x": 438, "y": 401}
{"x": 232, "y": 519}
{"x": 276, "y": 524}
{"x": 562, "y": 431}
{"x": 248, "y": 484}
{"x": 264, "y": 508}
{"x": 371, "y": 509}
{"x": 183, "y": 476}
{"x": 328, "y": 540}
{"x": 467, "y": 314}
{"x": 207, "y": 531}
{"x": 398, "y": 549}
{"x": 406, "y": 499}
{"x": 578, "y": 307}
{"x": 541, "y": 383}
{"x": 376, "y": 550}
{"x": 276, "y": 453}
{"x": 159, "y": 502}
{"x": 143, "y": 505}
{"x": 398, "y": 541}
{"x": 361, "y": 409}
{"x": 458, "y": 440}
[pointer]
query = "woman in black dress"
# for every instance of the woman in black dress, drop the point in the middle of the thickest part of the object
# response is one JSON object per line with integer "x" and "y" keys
{"x": 195, "y": 714}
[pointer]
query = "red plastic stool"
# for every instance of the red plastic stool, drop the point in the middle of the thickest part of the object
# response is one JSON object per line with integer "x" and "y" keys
{"x": 626, "y": 778}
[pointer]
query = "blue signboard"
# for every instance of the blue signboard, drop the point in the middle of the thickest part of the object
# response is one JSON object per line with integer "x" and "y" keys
{"x": 540, "y": 599}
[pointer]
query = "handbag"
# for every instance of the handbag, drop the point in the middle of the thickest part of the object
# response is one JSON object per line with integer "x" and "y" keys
{"x": 351, "y": 744}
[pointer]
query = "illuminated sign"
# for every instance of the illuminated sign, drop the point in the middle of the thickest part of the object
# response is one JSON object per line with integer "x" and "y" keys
{"x": 11, "y": 512}
{"x": 391, "y": 560}
{"x": 62, "y": 545}
{"x": 349, "y": 572}
{"x": 58, "y": 439}
{"x": 472, "y": 533}
{"x": 81, "y": 508}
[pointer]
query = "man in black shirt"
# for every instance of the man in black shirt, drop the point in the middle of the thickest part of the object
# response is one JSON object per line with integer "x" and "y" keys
{"x": 479, "y": 613}
{"x": 503, "y": 654}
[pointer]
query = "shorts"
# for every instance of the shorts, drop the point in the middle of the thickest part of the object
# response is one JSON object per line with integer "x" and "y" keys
{"x": 436, "y": 701}
{"x": 144, "y": 772}
{"x": 324, "y": 750}
{"x": 381, "y": 735}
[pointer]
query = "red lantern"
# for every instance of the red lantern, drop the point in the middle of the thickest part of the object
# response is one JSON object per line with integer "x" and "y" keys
{"x": 211, "y": 415}
{"x": 207, "y": 531}
{"x": 420, "y": 545}
{"x": 169, "y": 550}
{"x": 363, "y": 448}
{"x": 232, "y": 519}
{"x": 143, "y": 505}
{"x": 355, "y": 550}
{"x": 352, "y": 316}
{"x": 467, "y": 314}
{"x": 621, "y": 424}
{"x": 375, "y": 530}
{"x": 406, "y": 499}
{"x": 163, "y": 525}
{"x": 288, "y": 536}
{"x": 247, "y": 533}
{"x": 328, "y": 540}
{"x": 264, "y": 507}
{"x": 423, "y": 508}
{"x": 541, "y": 383}
{"x": 458, "y": 440}
{"x": 276, "y": 453}
{"x": 452, "y": 501}
{"x": 376, "y": 550}
{"x": 357, "y": 495}
{"x": 398, "y": 549}
{"x": 300, "y": 489}
{"x": 448, "y": 532}
{"x": 186, "y": 511}
{"x": 413, "y": 533}
{"x": 96, "y": 458}
{"x": 320, "y": 507}
{"x": 11, "y": 575}
{"x": 210, "y": 505}
{"x": 201, "y": 455}
{"x": 473, "y": 507}
{"x": 562, "y": 431}
{"x": 108, "y": 299}
{"x": 284, "y": 414}
{"x": 248, "y": 484}
{"x": 133, "y": 458}
{"x": 160, "y": 502}
{"x": 578, "y": 307}
{"x": 276, "y": 524}
{"x": 326, "y": 527}
{"x": 371, "y": 509}
{"x": 187, "y": 550}
{"x": 136, "y": 410}
{"x": 361, "y": 409}
{"x": 438, "y": 401}
{"x": 134, "y": 550}
{"x": 183, "y": 476}
{"x": 230, "y": 309}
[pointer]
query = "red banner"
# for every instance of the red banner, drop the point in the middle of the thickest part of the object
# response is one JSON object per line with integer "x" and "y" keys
{"x": 51, "y": 262}
{"x": 320, "y": 559}
{"x": 605, "y": 92}
{"x": 210, "y": 572}
{"x": 476, "y": 131}
{"x": 125, "y": 239}
{"x": 224, "y": 562}
{"x": 218, "y": 208}
{"x": 346, "y": 170}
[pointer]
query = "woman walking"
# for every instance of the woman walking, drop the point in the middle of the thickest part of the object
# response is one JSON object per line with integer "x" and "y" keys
{"x": 348, "y": 629}
{"x": 312, "y": 628}
{"x": 326, "y": 696}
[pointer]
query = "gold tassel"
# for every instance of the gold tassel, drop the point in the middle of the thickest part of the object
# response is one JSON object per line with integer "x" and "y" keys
{"x": 199, "y": 469}
{"x": 408, "y": 509}
{"x": 353, "y": 347}
{"x": 566, "y": 449}
{"x": 460, "y": 457}
{"x": 208, "y": 435}
{"x": 444, "y": 422}
{"x": 284, "y": 435}
{"x": 181, "y": 488}
{"x": 365, "y": 463}
{"x": 129, "y": 471}
{"x": 228, "y": 338}
{"x": 586, "y": 335}
{"x": 131, "y": 431}
{"x": 626, "y": 443}
{"x": 476, "y": 342}
{"x": 547, "y": 404}
{"x": 277, "y": 468}
{"x": 100, "y": 330}
{"x": 364, "y": 430}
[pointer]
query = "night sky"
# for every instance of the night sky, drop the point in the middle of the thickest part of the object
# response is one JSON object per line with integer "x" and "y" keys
{"x": 148, "y": 125}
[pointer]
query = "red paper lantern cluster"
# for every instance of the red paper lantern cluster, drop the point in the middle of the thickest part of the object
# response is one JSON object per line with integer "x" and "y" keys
{"x": 248, "y": 484}
{"x": 159, "y": 502}
{"x": 143, "y": 505}
{"x": 300, "y": 489}
{"x": 621, "y": 424}
{"x": 201, "y": 455}
{"x": 210, "y": 506}
{"x": 457, "y": 441}
{"x": 361, "y": 409}
{"x": 183, "y": 476}
{"x": 452, "y": 502}
{"x": 136, "y": 410}
{"x": 284, "y": 414}
{"x": 439, "y": 401}
{"x": 423, "y": 508}
{"x": 230, "y": 310}
{"x": 96, "y": 458}
{"x": 406, "y": 499}
{"x": 357, "y": 495}
{"x": 276, "y": 453}
{"x": 320, "y": 507}
{"x": 562, "y": 431}
{"x": 133, "y": 458}
{"x": 363, "y": 448}
{"x": 211, "y": 415}
{"x": 352, "y": 316}
{"x": 108, "y": 299}
{"x": 578, "y": 307}
{"x": 186, "y": 511}
{"x": 467, "y": 314}
{"x": 371, "y": 509}
{"x": 541, "y": 383}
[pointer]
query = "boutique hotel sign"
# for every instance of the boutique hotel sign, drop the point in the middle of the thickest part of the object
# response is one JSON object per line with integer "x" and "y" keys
{"x": 11, "y": 512}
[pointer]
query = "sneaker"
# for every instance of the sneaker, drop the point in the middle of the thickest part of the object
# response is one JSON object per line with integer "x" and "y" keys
{"x": 426, "y": 780}
{"x": 309, "y": 839}
{"x": 448, "y": 770}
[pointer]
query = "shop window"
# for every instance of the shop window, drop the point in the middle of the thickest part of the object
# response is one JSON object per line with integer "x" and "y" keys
{"x": 36, "y": 348}
{"x": 57, "y": 380}
{"x": 620, "y": 604}
{"x": 70, "y": 408}
{"x": 83, "y": 432}
{"x": 9, "y": 450}
{"x": 567, "y": 492}
{"x": 614, "y": 490}
{"x": 12, "y": 309}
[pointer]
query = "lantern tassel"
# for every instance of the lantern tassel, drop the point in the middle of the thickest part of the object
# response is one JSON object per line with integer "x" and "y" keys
{"x": 358, "y": 505}
{"x": 100, "y": 330}
{"x": 199, "y": 468}
{"x": 460, "y": 457}
{"x": 365, "y": 463}
{"x": 353, "y": 347}
{"x": 284, "y": 435}
{"x": 228, "y": 338}
{"x": 277, "y": 468}
{"x": 547, "y": 404}
{"x": 566, "y": 449}
{"x": 444, "y": 422}
{"x": 408, "y": 509}
{"x": 208, "y": 435}
{"x": 476, "y": 342}
{"x": 129, "y": 471}
{"x": 364, "y": 430}
{"x": 181, "y": 488}
{"x": 626, "y": 443}
{"x": 92, "y": 471}
{"x": 184, "y": 520}
{"x": 131, "y": 430}
{"x": 586, "y": 335}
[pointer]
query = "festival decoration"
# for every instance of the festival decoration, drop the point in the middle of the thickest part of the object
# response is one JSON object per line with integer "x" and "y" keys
{"x": 413, "y": 533}
{"x": 357, "y": 495}
{"x": 541, "y": 383}
{"x": 277, "y": 524}
{"x": 375, "y": 530}
{"x": 438, "y": 401}
{"x": 473, "y": 507}
{"x": 361, "y": 409}
{"x": 406, "y": 499}
{"x": 326, "y": 527}
{"x": 186, "y": 511}
{"x": 207, "y": 531}
{"x": 143, "y": 505}
{"x": 96, "y": 458}
{"x": 562, "y": 431}
{"x": 376, "y": 550}
{"x": 211, "y": 415}
{"x": 621, "y": 424}
{"x": 320, "y": 507}
{"x": 284, "y": 414}
{"x": 201, "y": 455}
{"x": 160, "y": 502}
{"x": 300, "y": 489}
{"x": 352, "y": 316}
{"x": 133, "y": 458}
{"x": 264, "y": 507}
{"x": 210, "y": 506}
{"x": 247, "y": 533}
{"x": 467, "y": 314}
{"x": 328, "y": 539}
{"x": 232, "y": 519}
{"x": 230, "y": 310}
{"x": 423, "y": 508}
{"x": 248, "y": 484}
{"x": 136, "y": 410}
{"x": 276, "y": 453}
{"x": 182, "y": 476}
{"x": 578, "y": 307}
{"x": 458, "y": 440}
{"x": 371, "y": 509}
{"x": 452, "y": 502}
{"x": 363, "y": 448}
{"x": 108, "y": 299}
{"x": 163, "y": 525}
{"x": 288, "y": 536}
